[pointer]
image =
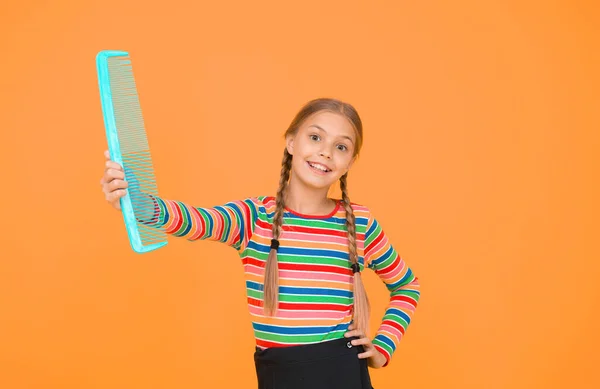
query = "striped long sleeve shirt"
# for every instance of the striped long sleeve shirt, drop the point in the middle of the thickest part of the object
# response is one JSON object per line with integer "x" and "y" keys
{"x": 315, "y": 278}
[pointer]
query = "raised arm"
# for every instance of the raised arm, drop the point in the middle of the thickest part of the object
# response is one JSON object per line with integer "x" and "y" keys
{"x": 231, "y": 223}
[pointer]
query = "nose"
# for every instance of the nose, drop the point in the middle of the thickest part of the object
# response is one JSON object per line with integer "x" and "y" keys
{"x": 325, "y": 153}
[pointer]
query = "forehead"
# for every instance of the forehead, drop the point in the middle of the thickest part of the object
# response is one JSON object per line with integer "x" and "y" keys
{"x": 333, "y": 123}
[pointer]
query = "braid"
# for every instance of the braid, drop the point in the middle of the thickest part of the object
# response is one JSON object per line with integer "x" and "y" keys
{"x": 361, "y": 301}
{"x": 350, "y": 219}
{"x": 271, "y": 278}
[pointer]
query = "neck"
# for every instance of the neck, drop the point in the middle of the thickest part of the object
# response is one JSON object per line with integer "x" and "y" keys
{"x": 308, "y": 201}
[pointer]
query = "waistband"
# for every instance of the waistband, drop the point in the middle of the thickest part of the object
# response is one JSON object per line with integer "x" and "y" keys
{"x": 307, "y": 352}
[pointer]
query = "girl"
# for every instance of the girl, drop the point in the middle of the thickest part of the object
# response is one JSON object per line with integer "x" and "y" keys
{"x": 303, "y": 254}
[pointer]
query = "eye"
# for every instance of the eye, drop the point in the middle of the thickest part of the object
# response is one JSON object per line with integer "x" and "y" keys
{"x": 342, "y": 147}
{"x": 314, "y": 137}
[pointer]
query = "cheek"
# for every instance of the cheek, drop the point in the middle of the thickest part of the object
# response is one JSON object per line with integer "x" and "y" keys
{"x": 345, "y": 160}
{"x": 300, "y": 148}
{"x": 298, "y": 162}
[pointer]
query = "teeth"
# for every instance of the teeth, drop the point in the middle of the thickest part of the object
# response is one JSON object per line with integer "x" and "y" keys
{"x": 318, "y": 167}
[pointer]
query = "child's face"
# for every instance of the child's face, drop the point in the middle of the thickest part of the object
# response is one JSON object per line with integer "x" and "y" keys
{"x": 322, "y": 149}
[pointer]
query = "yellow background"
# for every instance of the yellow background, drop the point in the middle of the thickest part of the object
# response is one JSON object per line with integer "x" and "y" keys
{"x": 480, "y": 161}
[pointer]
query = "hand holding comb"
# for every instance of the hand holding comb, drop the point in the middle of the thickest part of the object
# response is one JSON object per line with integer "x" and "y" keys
{"x": 128, "y": 147}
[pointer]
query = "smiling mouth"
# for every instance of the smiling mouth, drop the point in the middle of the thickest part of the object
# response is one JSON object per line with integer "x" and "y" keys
{"x": 318, "y": 167}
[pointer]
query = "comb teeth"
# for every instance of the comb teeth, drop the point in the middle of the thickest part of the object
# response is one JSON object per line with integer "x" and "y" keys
{"x": 133, "y": 145}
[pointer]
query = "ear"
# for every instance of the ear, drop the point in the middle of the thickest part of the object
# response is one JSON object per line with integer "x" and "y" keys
{"x": 289, "y": 144}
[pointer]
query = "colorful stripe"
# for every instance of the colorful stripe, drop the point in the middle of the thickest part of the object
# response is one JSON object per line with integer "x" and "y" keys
{"x": 316, "y": 289}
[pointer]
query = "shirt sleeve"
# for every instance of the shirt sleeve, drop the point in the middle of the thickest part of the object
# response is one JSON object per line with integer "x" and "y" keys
{"x": 381, "y": 257}
{"x": 231, "y": 223}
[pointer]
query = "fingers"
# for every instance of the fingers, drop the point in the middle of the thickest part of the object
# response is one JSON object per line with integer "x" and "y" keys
{"x": 366, "y": 354}
{"x": 113, "y": 181}
{"x": 114, "y": 190}
{"x": 367, "y": 345}
{"x": 110, "y": 164}
{"x": 114, "y": 196}
{"x": 113, "y": 178}
{"x": 374, "y": 357}
{"x": 112, "y": 173}
{"x": 113, "y": 165}
{"x": 353, "y": 332}
{"x": 364, "y": 341}
{"x": 361, "y": 341}
{"x": 116, "y": 185}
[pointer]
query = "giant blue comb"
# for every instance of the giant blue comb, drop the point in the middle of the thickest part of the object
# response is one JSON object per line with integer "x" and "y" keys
{"x": 128, "y": 146}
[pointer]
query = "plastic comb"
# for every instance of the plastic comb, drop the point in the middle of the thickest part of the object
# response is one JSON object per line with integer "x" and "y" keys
{"x": 128, "y": 146}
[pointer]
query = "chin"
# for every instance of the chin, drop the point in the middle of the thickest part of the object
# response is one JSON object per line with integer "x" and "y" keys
{"x": 318, "y": 183}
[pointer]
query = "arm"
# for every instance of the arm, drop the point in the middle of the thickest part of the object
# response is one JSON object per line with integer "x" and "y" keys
{"x": 381, "y": 257}
{"x": 231, "y": 223}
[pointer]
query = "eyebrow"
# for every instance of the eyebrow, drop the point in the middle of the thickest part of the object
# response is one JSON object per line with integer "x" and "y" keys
{"x": 320, "y": 128}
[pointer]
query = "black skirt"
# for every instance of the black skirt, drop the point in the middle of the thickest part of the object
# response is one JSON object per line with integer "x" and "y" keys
{"x": 327, "y": 365}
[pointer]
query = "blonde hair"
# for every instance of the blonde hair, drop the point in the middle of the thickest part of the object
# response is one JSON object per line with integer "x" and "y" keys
{"x": 271, "y": 279}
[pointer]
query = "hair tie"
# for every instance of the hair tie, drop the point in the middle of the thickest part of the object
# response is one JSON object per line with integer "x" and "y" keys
{"x": 274, "y": 244}
{"x": 355, "y": 268}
